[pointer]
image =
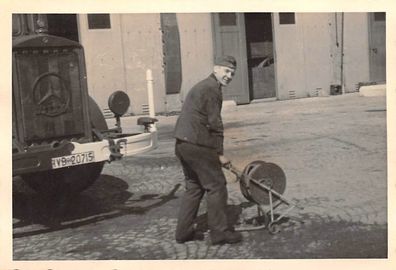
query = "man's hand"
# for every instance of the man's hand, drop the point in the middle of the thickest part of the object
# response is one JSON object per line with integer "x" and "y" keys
{"x": 224, "y": 161}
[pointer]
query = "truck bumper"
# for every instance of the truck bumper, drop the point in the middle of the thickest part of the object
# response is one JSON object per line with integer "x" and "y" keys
{"x": 73, "y": 153}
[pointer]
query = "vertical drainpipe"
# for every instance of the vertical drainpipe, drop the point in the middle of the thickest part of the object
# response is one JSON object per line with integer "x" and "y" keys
{"x": 342, "y": 53}
{"x": 275, "y": 55}
{"x": 123, "y": 61}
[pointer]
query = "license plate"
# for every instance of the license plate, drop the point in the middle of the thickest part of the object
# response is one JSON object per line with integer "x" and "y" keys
{"x": 73, "y": 160}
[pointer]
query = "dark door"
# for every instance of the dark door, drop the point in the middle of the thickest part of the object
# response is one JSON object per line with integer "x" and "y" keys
{"x": 377, "y": 43}
{"x": 172, "y": 53}
{"x": 260, "y": 57}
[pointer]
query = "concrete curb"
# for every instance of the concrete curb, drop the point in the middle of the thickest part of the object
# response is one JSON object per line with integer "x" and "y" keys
{"x": 373, "y": 90}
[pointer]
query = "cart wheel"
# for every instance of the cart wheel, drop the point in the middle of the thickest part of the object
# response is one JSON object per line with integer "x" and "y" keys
{"x": 273, "y": 228}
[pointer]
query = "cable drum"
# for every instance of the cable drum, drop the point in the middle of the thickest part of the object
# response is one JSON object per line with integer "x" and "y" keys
{"x": 265, "y": 173}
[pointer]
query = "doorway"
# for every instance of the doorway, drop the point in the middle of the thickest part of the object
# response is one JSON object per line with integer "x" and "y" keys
{"x": 248, "y": 37}
{"x": 260, "y": 56}
{"x": 229, "y": 39}
{"x": 377, "y": 42}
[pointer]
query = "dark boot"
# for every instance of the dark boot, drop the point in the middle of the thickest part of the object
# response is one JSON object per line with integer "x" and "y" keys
{"x": 227, "y": 237}
{"x": 195, "y": 236}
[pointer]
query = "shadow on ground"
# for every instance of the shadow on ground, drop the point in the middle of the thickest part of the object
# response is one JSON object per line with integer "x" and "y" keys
{"x": 106, "y": 199}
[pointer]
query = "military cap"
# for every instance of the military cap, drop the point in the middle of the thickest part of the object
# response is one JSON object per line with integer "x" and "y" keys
{"x": 226, "y": 61}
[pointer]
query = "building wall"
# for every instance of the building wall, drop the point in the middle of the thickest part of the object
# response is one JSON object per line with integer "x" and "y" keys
{"x": 117, "y": 59}
{"x": 196, "y": 53}
{"x": 142, "y": 40}
{"x": 356, "y": 50}
{"x": 104, "y": 59}
{"x": 315, "y": 34}
{"x": 302, "y": 55}
{"x": 308, "y": 53}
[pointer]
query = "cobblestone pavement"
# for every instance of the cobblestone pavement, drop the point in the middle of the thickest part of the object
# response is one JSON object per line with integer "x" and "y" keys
{"x": 333, "y": 151}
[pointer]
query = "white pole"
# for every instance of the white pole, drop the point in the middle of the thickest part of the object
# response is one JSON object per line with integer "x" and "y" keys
{"x": 149, "y": 78}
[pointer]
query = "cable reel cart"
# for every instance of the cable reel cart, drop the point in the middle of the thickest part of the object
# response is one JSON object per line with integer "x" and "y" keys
{"x": 263, "y": 183}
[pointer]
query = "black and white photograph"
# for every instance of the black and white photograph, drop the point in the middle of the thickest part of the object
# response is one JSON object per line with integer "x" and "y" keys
{"x": 233, "y": 135}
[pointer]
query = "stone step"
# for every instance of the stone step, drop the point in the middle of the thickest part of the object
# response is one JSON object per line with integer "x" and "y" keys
{"x": 373, "y": 90}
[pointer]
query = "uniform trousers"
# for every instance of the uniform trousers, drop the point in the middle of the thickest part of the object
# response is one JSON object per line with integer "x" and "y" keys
{"x": 203, "y": 173}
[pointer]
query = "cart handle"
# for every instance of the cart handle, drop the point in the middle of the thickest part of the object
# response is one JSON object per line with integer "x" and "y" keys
{"x": 228, "y": 166}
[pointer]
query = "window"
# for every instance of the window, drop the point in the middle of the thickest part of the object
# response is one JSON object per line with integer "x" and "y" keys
{"x": 379, "y": 16}
{"x": 227, "y": 19}
{"x": 99, "y": 21}
{"x": 287, "y": 18}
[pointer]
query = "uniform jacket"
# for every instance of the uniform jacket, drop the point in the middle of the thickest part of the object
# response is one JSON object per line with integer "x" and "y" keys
{"x": 200, "y": 119}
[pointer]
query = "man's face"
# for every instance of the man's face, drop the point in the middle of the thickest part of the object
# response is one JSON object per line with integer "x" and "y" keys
{"x": 224, "y": 74}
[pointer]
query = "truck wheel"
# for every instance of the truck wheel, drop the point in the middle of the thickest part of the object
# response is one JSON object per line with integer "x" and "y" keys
{"x": 73, "y": 179}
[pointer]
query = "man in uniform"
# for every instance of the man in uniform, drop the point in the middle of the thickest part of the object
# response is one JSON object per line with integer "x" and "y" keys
{"x": 199, "y": 147}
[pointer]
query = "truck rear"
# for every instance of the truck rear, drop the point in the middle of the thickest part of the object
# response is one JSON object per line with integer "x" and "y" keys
{"x": 60, "y": 139}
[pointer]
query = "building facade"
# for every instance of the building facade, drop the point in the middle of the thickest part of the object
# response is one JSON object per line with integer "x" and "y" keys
{"x": 280, "y": 55}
